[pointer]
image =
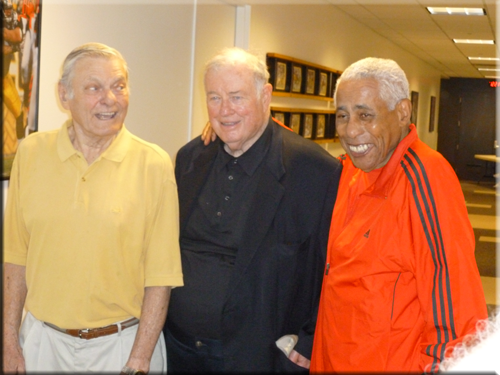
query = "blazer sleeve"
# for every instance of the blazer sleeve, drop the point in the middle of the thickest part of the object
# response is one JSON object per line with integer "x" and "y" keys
{"x": 319, "y": 246}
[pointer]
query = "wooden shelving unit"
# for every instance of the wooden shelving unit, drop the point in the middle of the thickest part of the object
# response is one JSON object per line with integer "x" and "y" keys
{"x": 314, "y": 124}
{"x": 313, "y": 81}
{"x": 299, "y": 79}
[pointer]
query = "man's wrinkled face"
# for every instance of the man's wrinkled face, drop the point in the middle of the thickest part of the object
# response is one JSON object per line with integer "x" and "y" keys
{"x": 99, "y": 96}
{"x": 368, "y": 130}
{"x": 237, "y": 113}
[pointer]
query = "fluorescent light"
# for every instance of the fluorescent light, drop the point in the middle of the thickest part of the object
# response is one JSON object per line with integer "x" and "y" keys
{"x": 457, "y": 11}
{"x": 484, "y": 58}
{"x": 474, "y": 41}
{"x": 489, "y": 69}
{"x": 493, "y": 77}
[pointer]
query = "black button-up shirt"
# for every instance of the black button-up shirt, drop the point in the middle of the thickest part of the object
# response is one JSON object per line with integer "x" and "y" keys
{"x": 212, "y": 238}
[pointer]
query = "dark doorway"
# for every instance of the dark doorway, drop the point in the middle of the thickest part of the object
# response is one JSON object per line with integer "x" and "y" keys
{"x": 467, "y": 116}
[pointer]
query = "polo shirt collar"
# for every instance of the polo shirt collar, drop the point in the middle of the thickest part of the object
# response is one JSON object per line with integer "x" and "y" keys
{"x": 115, "y": 152}
{"x": 65, "y": 148}
{"x": 119, "y": 147}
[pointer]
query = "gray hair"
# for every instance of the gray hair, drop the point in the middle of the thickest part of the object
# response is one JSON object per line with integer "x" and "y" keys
{"x": 87, "y": 50}
{"x": 234, "y": 56}
{"x": 393, "y": 84}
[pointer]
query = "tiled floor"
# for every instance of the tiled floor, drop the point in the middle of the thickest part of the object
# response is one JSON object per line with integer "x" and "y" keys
{"x": 481, "y": 204}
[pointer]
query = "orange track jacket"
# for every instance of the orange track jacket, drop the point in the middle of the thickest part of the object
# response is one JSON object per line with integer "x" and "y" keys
{"x": 401, "y": 283}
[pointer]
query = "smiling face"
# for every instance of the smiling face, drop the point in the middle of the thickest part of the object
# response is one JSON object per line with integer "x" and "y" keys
{"x": 237, "y": 114}
{"x": 368, "y": 130}
{"x": 98, "y": 98}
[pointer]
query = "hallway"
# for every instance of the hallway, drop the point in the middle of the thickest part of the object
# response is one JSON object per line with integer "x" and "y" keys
{"x": 481, "y": 206}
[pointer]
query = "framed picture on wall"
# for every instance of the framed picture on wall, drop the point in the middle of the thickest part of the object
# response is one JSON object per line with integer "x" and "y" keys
{"x": 20, "y": 84}
{"x": 295, "y": 122}
{"x": 320, "y": 126}
{"x": 280, "y": 78}
{"x": 322, "y": 83}
{"x": 333, "y": 83}
{"x": 308, "y": 125}
{"x": 414, "y": 104}
{"x": 280, "y": 116}
{"x": 296, "y": 78}
{"x": 330, "y": 126}
{"x": 432, "y": 114}
{"x": 310, "y": 81}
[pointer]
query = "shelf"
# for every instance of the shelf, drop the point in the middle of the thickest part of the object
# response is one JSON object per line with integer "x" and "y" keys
{"x": 302, "y": 110}
{"x": 302, "y": 96}
{"x": 316, "y": 123}
{"x": 328, "y": 140}
{"x": 298, "y": 61}
{"x": 295, "y": 78}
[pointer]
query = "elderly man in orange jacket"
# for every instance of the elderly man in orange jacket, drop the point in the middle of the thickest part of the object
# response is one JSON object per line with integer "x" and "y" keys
{"x": 401, "y": 283}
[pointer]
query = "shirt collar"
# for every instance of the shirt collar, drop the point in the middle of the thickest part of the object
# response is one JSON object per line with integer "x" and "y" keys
{"x": 115, "y": 152}
{"x": 250, "y": 159}
{"x": 64, "y": 147}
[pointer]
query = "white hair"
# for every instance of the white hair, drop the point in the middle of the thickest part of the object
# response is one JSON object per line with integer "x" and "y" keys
{"x": 478, "y": 352}
{"x": 393, "y": 84}
{"x": 234, "y": 56}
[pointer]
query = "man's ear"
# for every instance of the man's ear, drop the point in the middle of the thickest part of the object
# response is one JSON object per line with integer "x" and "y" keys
{"x": 404, "y": 111}
{"x": 63, "y": 95}
{"x": 267, "y": 94}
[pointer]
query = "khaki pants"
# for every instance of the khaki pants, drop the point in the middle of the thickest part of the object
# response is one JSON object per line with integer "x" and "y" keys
{"x": 46, "y": 349}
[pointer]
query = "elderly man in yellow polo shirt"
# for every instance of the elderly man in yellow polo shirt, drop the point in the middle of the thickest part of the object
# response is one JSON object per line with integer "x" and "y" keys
{"x": 91, "y": 234}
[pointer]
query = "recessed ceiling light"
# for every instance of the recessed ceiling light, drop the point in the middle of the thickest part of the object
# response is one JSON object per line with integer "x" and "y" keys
{"x": 474, "y": 41}
{"x": 490, "y": 69}
{"x": 457, "y": 11}
{"x": 484, "y": 58}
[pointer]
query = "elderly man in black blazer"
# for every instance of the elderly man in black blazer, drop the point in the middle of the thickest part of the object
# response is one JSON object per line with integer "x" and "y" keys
{"x": 255, "y": 210}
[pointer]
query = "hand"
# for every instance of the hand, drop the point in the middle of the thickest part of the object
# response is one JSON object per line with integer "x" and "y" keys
{"x": 136, "y": 363}
{"x": 208, "y": 135}
{"x": 131, "y": 371}
{"x": 299, "y": 359}
{"x": 13, "y": 360}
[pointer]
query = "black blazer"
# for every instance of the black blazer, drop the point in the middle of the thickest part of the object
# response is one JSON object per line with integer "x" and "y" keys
{"x": 278, "y": 271}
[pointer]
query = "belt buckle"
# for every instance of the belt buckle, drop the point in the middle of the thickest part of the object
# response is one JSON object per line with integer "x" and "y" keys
{"x": 85, "y": 330}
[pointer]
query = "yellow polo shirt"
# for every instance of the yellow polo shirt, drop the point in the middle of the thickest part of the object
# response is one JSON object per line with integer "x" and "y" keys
{"x": 91, "y": 237}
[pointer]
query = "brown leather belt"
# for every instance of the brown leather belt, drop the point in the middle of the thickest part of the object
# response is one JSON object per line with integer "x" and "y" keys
{"x": 92, "y": 333}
